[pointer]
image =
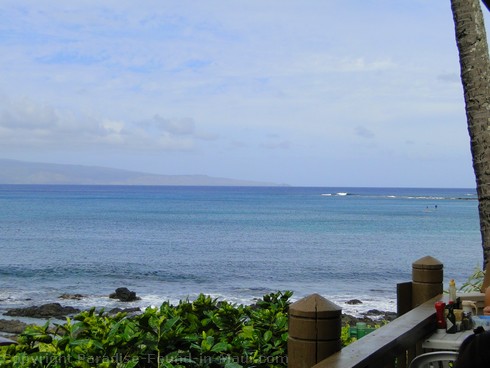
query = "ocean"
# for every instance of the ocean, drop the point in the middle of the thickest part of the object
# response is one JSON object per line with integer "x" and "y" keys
{"x": 234, "y": 243}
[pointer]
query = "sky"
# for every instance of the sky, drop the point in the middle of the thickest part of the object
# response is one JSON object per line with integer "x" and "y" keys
{"x": 306, "y": 93}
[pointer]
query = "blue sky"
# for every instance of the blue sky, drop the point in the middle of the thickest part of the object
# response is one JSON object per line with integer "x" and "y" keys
{"x": 308, "y": 93}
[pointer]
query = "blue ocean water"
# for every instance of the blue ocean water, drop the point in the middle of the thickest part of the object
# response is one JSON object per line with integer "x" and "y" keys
{"x": 235, "y": 243}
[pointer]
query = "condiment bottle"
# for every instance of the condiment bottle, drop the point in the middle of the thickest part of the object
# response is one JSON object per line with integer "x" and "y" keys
{"x": 441, "y": 319}
{"x": 467, "y": 323}
{"x": 452, "y": 291}
{"x": 451, "y": 320}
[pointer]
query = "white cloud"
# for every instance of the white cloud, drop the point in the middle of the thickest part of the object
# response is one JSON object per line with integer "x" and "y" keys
{"x": 277, "y": 145}
{"x": 183, "y": 126}
{"x": 112, "y": 126}
{"x": 364, "y": 132}
{"x": 29, "y": 125}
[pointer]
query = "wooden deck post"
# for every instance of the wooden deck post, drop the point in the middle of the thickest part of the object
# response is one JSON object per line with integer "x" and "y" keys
{"x": 315, "y": 326}
{"x": 427, "y": 280}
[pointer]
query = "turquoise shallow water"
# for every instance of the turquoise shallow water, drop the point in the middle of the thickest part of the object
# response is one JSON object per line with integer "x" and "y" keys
{"x": 169, "y": 243}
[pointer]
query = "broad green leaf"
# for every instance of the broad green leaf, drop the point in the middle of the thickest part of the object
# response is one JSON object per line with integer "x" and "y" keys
{"x": 171, "y": 322}
{"x": 232, "y": 365}
{"x": 79, "y": 342}
{"x": 220, "y": 347}
{"x": 207, "y": 343}
{"x": 267, "y": 335}
{"x": 131, "y": 364}
{"x": 247, "y": 331}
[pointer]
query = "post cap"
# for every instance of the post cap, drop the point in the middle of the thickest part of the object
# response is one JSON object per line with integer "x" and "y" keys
{"x": 314, "y": 306}
{"x": 427, "y": 263}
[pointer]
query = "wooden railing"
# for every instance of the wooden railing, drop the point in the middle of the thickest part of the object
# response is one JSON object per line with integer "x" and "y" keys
{"x": 315, "y": 326}
{"x": 393, "y": 345}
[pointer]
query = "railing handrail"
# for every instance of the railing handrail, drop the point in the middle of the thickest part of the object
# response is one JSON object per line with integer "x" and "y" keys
{"x": 390, "y": 340}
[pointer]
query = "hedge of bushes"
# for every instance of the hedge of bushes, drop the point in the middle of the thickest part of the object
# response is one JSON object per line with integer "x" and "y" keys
{"x": 200, "y": 333}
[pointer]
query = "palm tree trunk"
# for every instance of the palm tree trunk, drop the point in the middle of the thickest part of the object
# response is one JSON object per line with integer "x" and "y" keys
{"x": 475, "y": 75}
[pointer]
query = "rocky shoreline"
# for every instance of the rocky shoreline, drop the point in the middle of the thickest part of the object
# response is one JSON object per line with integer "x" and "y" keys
{"x": 371, "y": 317}
{"x": 12, "y": 327}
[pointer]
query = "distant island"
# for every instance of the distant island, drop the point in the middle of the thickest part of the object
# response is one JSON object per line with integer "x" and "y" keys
{"x": 21, "y": 172}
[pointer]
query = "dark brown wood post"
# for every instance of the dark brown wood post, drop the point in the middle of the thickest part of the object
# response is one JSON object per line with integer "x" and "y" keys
{"x": 427, "y": 280}
{"x": 315, "y": 326}
{"x": 403, "y": 298}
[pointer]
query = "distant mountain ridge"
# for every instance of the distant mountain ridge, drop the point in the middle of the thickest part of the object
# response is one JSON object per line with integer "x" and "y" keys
{"x": 21, "y": 172}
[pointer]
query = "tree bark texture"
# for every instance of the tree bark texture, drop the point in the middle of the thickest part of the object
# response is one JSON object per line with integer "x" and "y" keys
{"x": 475, "y": 74}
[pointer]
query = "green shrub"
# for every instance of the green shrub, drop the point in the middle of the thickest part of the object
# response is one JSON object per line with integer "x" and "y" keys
{"x": 202, "y": 333}
{"x": 345, "y": 336}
